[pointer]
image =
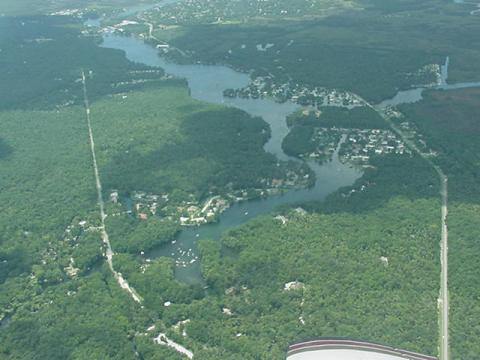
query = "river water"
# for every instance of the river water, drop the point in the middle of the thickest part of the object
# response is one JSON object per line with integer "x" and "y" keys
{"x": 416, "y": 94}
{"x": 207, "y": 83}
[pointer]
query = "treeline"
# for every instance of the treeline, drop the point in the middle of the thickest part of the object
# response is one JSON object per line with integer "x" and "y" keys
{"x": 131, "y": 235}
{"x": 449, "y": 120}
{"x": 299, "y": 141}
{"x": 183, "y": 148}
{"x": 361, "y": 117}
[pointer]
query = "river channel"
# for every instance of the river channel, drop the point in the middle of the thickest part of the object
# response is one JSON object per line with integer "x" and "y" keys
{"x": 207, "y": 83}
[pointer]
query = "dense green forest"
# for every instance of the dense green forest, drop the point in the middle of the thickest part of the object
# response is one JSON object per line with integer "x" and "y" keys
{"x": 43, "y": 58}
{"x": 347, "y": 291}
{"x": 58, "y": 300}
{"x": 46, "y": 190}
{"x": 355, "y": 50}
{"x": 364, "y": 263}
{"x": 464, "y": 250}
{"x": 157, "y": 149}
{"x": 156, "y": 282}
{"x": 299, "y": 141}
{"x": 450, "y": 121}
{"x": 32, "y": 183}
{"x": 86, "y": 318}
{"x": 134, "y": 235}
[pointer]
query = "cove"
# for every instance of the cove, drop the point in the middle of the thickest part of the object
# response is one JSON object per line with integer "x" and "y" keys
{"x": 416, "y": 94}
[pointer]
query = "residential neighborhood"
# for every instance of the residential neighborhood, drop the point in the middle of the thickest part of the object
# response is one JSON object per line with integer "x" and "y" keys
{"x": 193, "y": 212}
{"x": 267, "y": 87}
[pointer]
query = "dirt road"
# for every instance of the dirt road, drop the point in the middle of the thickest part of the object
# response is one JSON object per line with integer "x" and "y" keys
{"x": 109, "y": 253}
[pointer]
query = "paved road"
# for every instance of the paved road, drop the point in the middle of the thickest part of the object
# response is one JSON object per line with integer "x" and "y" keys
{"x": 443, "y": 304}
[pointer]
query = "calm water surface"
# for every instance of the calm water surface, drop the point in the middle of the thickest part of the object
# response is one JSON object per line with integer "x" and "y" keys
{"x": 207, "y": 83}
{"x": 416, "y": 94}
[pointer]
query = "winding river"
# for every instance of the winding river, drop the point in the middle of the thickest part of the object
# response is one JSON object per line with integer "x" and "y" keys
{"x": 207, "y": 83}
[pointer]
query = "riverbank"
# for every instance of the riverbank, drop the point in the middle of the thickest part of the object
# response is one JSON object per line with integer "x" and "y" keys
{"x": 207, "y": 83}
